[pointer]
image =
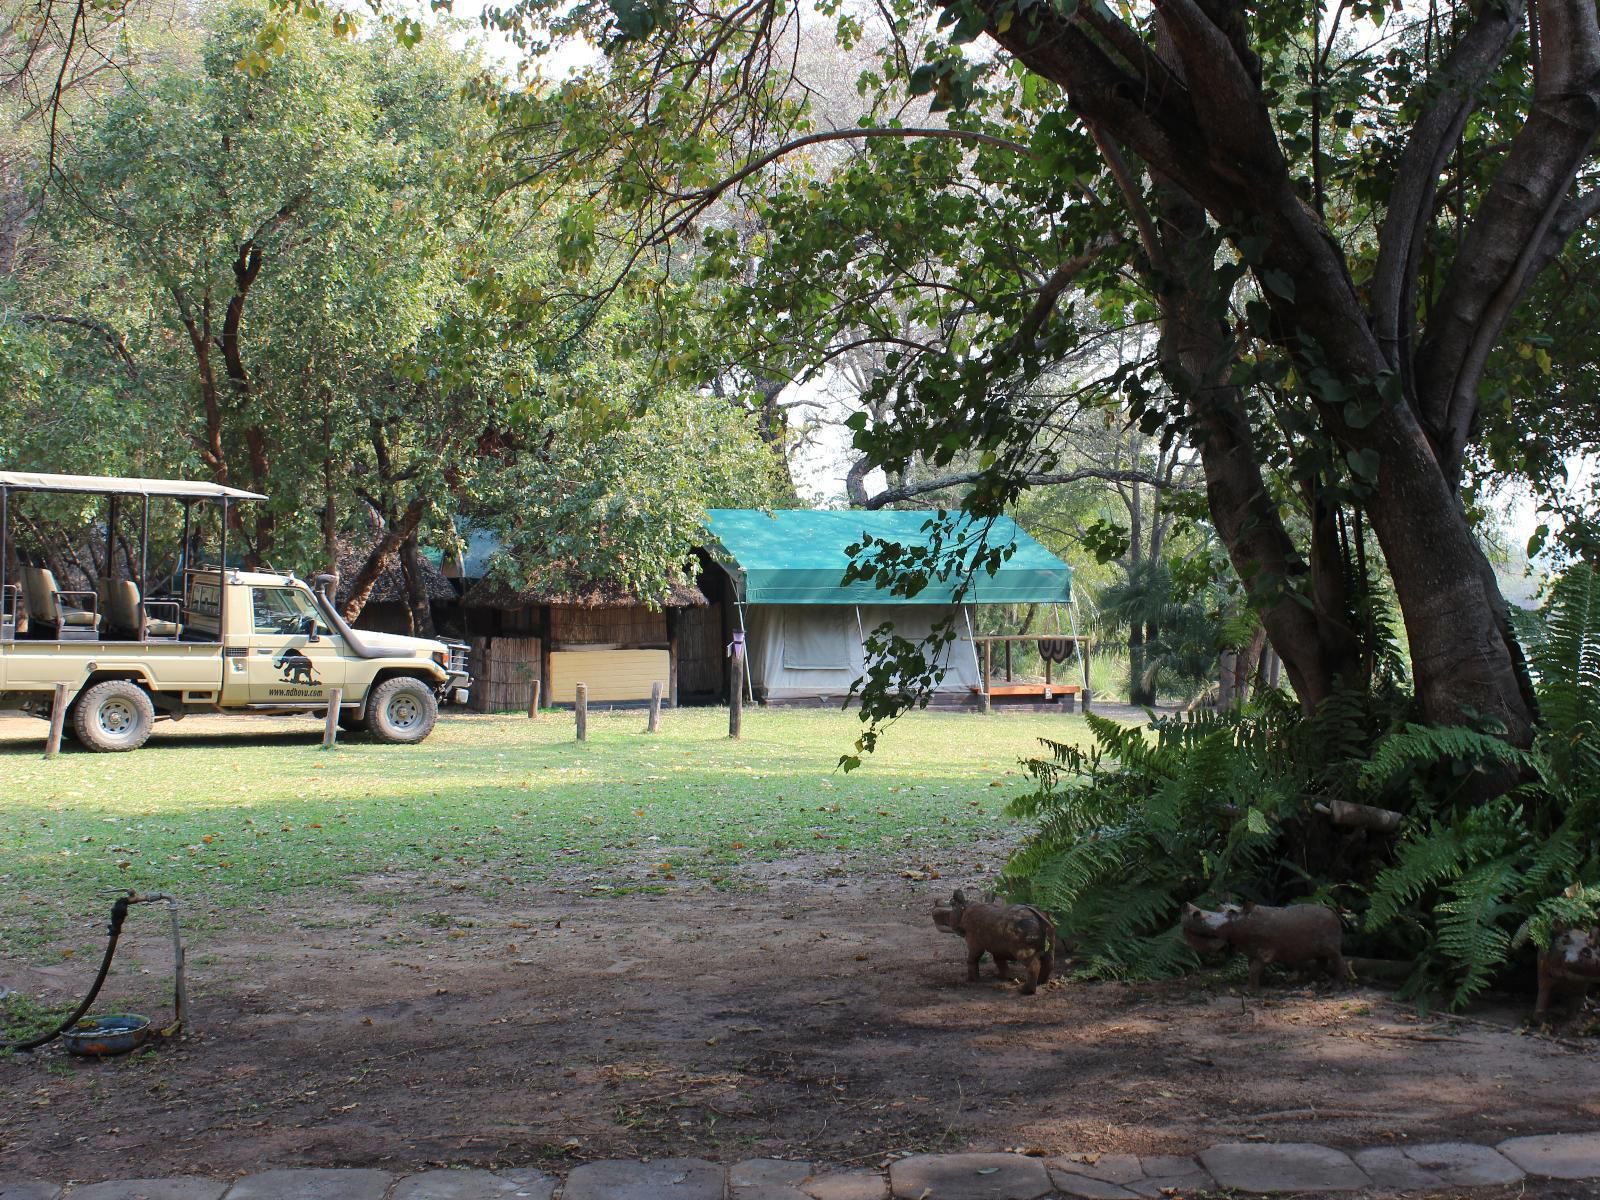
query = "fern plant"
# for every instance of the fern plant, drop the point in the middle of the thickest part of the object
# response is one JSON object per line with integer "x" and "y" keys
{"x": 1223, "y": 805}
{"x": 1142, "y": 821}
{"x": 1472, "y": 883}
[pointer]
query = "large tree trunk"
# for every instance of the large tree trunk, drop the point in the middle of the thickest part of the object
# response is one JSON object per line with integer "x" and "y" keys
{"x": 1464, "y": 656}
{"x": 1194, "y": 111}
{"x": 1139, "y": 691}
{"x": 416, "y": 588}
{"x": 389, "y": 541}
{"x": 1196, "y": 352}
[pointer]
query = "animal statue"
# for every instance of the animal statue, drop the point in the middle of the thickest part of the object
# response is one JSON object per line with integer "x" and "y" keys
{"x": 1566, "y": 970}
{"x": 1300, "y": 933}
{"x": 1005, "y": 932}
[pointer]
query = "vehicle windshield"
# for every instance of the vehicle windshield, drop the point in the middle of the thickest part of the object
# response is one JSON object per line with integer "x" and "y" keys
{"x": 283, "y": 610}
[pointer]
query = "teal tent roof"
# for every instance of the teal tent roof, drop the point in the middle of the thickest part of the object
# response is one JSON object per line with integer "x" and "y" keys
{"x": 796, "y": 556}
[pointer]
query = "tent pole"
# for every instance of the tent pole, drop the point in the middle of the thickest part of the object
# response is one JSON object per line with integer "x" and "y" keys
{"x": 5, "y": 552}
{"x": 972, "y": 639}
{"x": 861, "y": 635}
{"x": 222, "y": 573}
{"x": 749, "y": 686}
{"x": 1083, "y": 659}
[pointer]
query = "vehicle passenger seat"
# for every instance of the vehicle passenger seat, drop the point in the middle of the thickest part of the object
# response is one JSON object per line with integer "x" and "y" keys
{"x": 129, "y": 614}
{"x": 59, "y": 611}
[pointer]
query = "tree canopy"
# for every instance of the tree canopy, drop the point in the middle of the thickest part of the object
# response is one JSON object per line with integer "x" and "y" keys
{"x": 1340, "y": 222}
{"x": 280, "y": 271}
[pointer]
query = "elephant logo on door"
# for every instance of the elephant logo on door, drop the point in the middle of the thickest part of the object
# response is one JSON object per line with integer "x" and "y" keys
{"x": 296, "y": 667}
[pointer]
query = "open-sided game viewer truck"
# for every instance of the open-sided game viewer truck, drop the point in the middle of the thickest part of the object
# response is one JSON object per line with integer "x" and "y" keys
{"x": 214, "y": 639}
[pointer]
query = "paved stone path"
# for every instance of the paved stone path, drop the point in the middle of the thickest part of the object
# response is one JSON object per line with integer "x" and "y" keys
{"x": 1243, "y": 1168}
{"x": 1290, "y": 1167}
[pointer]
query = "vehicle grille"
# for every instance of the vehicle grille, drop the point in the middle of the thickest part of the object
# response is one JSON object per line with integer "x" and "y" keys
{"x": 460, "y": 657}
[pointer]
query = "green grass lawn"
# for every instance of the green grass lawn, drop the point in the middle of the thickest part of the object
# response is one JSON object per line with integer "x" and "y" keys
{"x": 224, "y": 818}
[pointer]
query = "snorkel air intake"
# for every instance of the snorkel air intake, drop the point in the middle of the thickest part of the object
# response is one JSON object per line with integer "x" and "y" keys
{"x": 361, "y": 649}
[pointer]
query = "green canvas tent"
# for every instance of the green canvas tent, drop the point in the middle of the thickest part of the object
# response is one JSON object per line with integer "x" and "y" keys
{"x": 805, "y": 628}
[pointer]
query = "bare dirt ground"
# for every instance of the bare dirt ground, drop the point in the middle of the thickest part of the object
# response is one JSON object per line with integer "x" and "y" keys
{"x": 801, "y": 1016}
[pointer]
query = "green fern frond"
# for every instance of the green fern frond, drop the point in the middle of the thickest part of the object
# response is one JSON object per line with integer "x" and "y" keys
{"x": 1576, "y": 908}
{"x": 1424, "y": 860}
{"x": 1419, "y": 747}
{"x": 1469, "y": 933}
{"x": 1566, "y": 661}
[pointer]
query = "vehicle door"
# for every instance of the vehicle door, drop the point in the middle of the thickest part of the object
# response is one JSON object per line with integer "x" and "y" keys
{"x": 294, "y": 659}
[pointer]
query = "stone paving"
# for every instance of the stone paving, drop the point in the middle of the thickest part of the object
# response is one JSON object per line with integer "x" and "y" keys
{"x": 1301, "y": 1168}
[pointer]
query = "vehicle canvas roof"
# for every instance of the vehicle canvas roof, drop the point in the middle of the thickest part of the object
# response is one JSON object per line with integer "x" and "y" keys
{"x": 115, "y": 485}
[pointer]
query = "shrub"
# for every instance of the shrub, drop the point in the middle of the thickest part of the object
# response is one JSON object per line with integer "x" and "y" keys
{"x": 1225, "y": 805}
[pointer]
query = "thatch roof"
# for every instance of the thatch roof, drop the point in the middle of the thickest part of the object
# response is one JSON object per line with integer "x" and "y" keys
{"x": 490, "y": 593}
{"x": 390, "y": 587}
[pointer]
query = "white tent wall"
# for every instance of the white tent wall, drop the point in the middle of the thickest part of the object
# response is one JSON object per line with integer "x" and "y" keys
{"x": 797, "y": 651}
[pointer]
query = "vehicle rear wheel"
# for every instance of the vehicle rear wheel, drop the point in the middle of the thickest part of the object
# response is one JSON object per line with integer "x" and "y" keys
{"x": 401, "y": 711}
{"x": 114, "y": 715}
{"x": 351, "y": 722}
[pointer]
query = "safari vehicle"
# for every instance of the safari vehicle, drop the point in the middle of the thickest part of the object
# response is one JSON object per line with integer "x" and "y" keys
{"x": 216, "y": 639}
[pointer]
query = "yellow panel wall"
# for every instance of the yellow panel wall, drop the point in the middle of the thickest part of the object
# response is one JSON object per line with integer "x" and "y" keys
{"x": 609, "y": 674}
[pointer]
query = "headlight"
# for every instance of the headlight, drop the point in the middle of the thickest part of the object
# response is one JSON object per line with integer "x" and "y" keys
{"x": 442, "y": 658}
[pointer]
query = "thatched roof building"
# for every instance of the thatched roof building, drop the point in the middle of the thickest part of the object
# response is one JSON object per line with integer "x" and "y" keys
{"x": 390, "y": 587}
{"x": 598, "y": 634}
{"x": 491, "y": 593}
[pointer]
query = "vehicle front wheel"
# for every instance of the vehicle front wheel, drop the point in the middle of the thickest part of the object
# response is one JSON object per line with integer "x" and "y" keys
{"x": 401, "y": 711}
{"x": 113, "y": 716}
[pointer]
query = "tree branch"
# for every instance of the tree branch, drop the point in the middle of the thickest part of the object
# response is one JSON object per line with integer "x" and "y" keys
{"x": 1507, "y": 233}
{"x": 1454, "y": 87}
{"x": 706, "y": 195}
{"x": 1030, "y": 479}
{"x": 119, "y": 345}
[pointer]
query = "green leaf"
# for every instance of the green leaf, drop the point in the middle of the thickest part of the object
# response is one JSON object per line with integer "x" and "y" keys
{"x": 1279, "y": 283}
{"x": 1363, "y": 465}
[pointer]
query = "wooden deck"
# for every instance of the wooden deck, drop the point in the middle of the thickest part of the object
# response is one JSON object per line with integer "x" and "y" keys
{"x": 1028, "y": 691}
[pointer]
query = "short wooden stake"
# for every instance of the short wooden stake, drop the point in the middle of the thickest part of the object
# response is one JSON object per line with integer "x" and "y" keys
{"x": 655, "y": 708}
{"x": 533, "y": 702}
{"x": 330, "y": 724}
{"x": 736, "y": 687}
{"x": 582, "y": 709}
{"x": 58, "y": 719}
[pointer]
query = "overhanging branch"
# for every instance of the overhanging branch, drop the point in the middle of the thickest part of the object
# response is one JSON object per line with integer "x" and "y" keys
{"x": 1031, "y": 479}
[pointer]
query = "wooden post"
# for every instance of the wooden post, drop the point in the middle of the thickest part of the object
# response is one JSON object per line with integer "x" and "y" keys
{"x": 1008, "y": 660}
{"x": 545, "y": 624}
{"x": 58, "y": 718}
{"x": 672, "y": 657}
{"x": 736, "y": 684}
{"x": 533, "y": 701}
{"x": 582, "y": 712}
{"x": 655, "y": 708}
{"x": 330, "y": 724}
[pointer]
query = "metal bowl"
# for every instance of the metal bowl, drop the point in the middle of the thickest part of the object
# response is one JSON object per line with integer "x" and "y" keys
{"x": 99, "y": 1036}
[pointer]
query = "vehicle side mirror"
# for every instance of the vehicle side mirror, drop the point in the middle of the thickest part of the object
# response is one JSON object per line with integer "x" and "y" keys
{"x": 308, "y": 626}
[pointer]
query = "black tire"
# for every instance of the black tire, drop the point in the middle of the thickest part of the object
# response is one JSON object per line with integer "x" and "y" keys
{"x": 113, "y": 716}
{"x": 401, "y": 711}
{"x": 351, "y": 722}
